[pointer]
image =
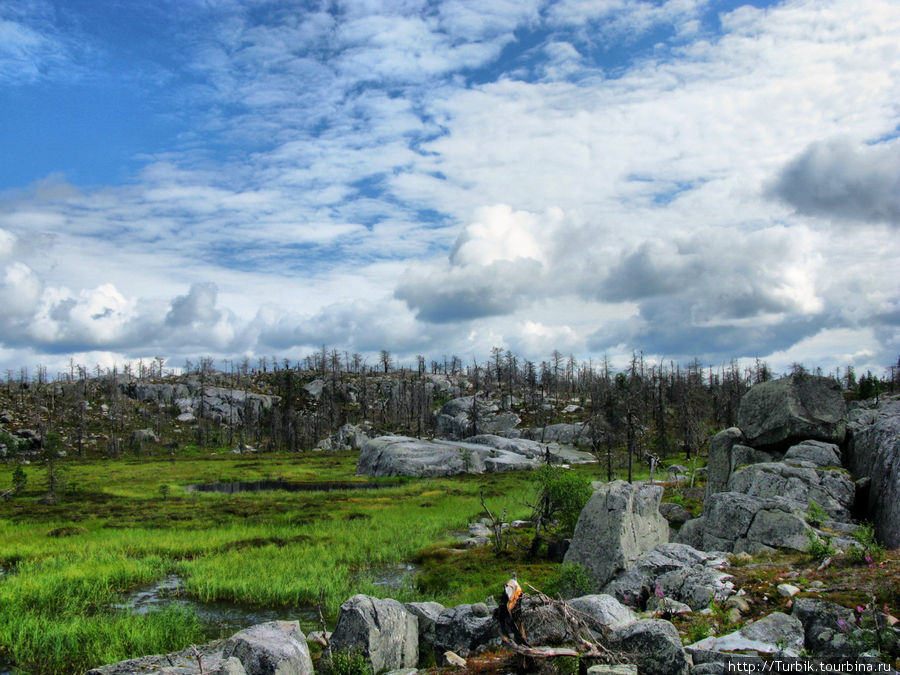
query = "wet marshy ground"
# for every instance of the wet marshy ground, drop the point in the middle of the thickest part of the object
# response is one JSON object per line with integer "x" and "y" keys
{"x": 224, "y": 618}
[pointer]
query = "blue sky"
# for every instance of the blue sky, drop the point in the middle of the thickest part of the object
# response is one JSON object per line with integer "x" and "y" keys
{"x": 685, "y": 177}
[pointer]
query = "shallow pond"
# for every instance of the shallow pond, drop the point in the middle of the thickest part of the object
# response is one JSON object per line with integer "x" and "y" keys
{"x": 277, "y": 484}
{"x": 224, "y": 618}
{"x": 219, "y": 618}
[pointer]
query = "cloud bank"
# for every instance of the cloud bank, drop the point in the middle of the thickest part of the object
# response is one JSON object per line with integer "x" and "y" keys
{"x": 677, "y": 177}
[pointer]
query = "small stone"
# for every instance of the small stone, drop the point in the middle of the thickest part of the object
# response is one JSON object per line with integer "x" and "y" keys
{"x": 738, "y": 603}
{"x": 787, "y": 590}
{"x": 455, "y": 659}
{"x": 616, "y": 669}
{"x": 733, "y": 615}
{"x": 667, "y": 606}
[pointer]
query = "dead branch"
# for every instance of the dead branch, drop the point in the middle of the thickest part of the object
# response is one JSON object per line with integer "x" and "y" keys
{"x": 581, "y": 626}
{"x": 325, "y": 640}
{"x": 498, "y": 536}
{"x": 198, "y": 657}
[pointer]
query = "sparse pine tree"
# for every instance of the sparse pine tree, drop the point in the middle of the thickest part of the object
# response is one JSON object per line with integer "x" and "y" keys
{"x": 19, "y": 480}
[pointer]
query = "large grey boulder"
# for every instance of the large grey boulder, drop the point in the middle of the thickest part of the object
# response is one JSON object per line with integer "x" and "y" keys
{"x": 874, "y": 452}
{"x": 719, "y": 465}
{"x": 603, "y": 613}
{"x": 619, "y": 523}
{"x": 818, "y": 453}
{"x": 140, "y": 436}
{"x": 382, "y": 630}
{"x": 831, "y": 489}
{"x": 349, "y": 437}
{"x": 736, "y": 522}
{"x": 314, "y": 389}
{"x": 545, "y": 622}
{"x": 405, "y": 456}
{"x": 777, "y": 413}
{"x": 273, "y": 648}
{"x": 464, "y": 630}
{"x": 678, "y": 572}
{"x": 426, "y": 614}
{"x": 826, "y": 627}
{"x": 654, "y": 645}
{"x": 775, "y": 633}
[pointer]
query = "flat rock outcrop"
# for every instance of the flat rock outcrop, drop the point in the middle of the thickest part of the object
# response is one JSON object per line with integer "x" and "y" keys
{"x": 780, "y": 412}
{"x": 569, "y": 434}
{"x": 276, "y": 647}
{"x": 619, "y": 523}
{"x": 455, "y": 419}
{"x": 405, "y": 456}
{"x": 773, "y": 634}
{"x": 220, "y": 404}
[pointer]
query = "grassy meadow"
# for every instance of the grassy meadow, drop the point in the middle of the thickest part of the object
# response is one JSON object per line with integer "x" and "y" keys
{"x": 125, "y": 523}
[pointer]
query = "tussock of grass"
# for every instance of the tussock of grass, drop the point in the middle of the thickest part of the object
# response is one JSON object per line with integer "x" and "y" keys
{"x": 65, "y": 644}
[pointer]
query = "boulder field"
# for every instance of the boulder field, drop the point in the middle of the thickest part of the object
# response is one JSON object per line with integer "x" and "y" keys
{"x": 796, "y": 444}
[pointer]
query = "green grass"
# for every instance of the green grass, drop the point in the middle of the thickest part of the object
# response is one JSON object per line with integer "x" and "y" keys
{"x": 68, "y": 564}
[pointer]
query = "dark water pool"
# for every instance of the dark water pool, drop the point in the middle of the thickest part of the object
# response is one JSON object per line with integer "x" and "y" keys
{"x": 276, "y": 484}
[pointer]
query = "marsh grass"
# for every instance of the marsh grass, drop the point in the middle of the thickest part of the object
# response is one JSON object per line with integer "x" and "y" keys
{"x": 69, "y": 564}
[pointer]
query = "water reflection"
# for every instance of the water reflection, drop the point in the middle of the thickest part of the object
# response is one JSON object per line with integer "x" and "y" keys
{"x": 278, "y": 484}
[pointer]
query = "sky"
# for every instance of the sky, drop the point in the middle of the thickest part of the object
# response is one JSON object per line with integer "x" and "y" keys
{"x": 687, "y": 178}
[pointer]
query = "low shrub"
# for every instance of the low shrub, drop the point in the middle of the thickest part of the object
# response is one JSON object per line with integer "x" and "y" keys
{"x": 815, "y": 514}
{"x": 571, "y": 580}
{"x": 819, "y": 546}
{"x": 867, "y": 550}
{"x": 344, "y": 662}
